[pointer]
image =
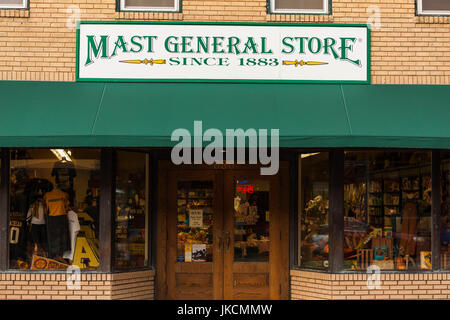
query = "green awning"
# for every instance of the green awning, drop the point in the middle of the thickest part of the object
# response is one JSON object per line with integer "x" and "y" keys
{"x": 69, "y": 114}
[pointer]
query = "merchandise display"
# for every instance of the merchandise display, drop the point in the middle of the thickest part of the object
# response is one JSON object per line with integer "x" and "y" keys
{"x": 64, "y": 172}
{"x": 314, "y": 210}
{"x": 397, "y": 227}
{"x": 131, "y": 221}
{"x": 36, "y": 217}
{"x": 195, "y": 221}
{"x": 45, "y": 223}
{"x": 425, "y": 260}
{"x": 74, "y": 228}
{"x": 43, "y": 263}
{"x": 445, "y": 210}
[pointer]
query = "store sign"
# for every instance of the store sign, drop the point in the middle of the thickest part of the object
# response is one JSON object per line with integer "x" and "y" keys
{"x": 196, "y": 218}
{"x": 149, "y": 51}
{"x": 242, "y": 187}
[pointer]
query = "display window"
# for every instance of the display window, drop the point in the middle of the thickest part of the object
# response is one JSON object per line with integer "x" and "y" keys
{"x": 313, "y": 210}
{"x": 445, "y": 210}
{"x": 131, "y": 210}
{"x": 387, "y": 197}
{"x": 54, "y": 209}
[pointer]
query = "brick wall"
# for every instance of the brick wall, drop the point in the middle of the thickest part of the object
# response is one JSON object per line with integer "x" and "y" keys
{"x": 40, "y": 286}
{"x": 304, "y": 286}
{"x": 36, "y": 44}
{"x": 310, "y": 286}
{"x": 133, "y": 285}
{"x": 415, "y": 286}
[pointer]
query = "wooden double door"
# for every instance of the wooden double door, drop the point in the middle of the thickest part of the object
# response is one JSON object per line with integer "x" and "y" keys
{"x": 223, "y": 233}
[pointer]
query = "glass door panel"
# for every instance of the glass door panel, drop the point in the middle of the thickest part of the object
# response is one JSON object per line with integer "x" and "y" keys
{"x": 251, "y": 221}
{"x": 195, "y": 221}
{"x": 252, "y": 253}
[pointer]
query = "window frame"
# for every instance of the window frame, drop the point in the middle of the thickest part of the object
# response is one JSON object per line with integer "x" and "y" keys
{"x": 24, "y": 5}
{"x": 121, "y": 7}
{"x": 5, "y": 187}
{"x": 296, "y": 261}
{"x": 326, "y": 11}
{"x": 422, "y": 12}
{"x": 336, "y": 163}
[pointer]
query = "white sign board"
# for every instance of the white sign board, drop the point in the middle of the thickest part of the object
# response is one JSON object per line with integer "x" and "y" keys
{"x": 196, "y": 218}
{"x": 149, "y": 51}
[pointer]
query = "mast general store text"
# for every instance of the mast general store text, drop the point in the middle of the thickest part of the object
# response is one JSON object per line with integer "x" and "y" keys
{"x": 105, "y": 47}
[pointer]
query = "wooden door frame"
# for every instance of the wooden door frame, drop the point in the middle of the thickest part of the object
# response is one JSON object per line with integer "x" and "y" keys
{"x": 164, "y": 167}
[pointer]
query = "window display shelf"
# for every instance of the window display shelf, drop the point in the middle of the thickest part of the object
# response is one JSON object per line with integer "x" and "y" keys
{"x": 390, "y": 190}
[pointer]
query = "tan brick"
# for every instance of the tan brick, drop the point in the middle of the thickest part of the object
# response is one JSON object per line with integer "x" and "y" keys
{"x": 403, "y": 36}
{"x": 433, "y": 291}
{"x": 396, "y": 297}
{"x": 440, "y": 286}
{"x": 382, "y": 297}
{"x": 20, "y": 291}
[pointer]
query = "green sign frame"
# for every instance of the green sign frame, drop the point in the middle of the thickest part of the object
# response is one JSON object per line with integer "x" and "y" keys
{"x": 268, "y": 24}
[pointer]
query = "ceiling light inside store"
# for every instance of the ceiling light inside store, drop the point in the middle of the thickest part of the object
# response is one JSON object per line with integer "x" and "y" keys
{"x": 306, "y": 155}
{"x": 62, "y": 154}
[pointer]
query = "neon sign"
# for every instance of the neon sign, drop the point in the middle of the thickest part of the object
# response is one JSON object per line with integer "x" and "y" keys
{"x": 242, "y": 187}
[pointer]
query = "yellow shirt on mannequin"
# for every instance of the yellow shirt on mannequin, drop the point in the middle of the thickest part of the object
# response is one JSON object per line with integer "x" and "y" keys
{"x": 57, "y": 203}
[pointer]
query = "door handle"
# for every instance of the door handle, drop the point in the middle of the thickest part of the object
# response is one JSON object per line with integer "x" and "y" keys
{"x": 219, "y": 242}
{"x": 228, "y": 240}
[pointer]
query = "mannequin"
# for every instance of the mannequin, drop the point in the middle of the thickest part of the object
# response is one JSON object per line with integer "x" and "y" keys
{"x": 74, "y": 228}
{"x": 64, "y": 173}
{"x": 36, "y": 214}
{"x": 57, "y": 204}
